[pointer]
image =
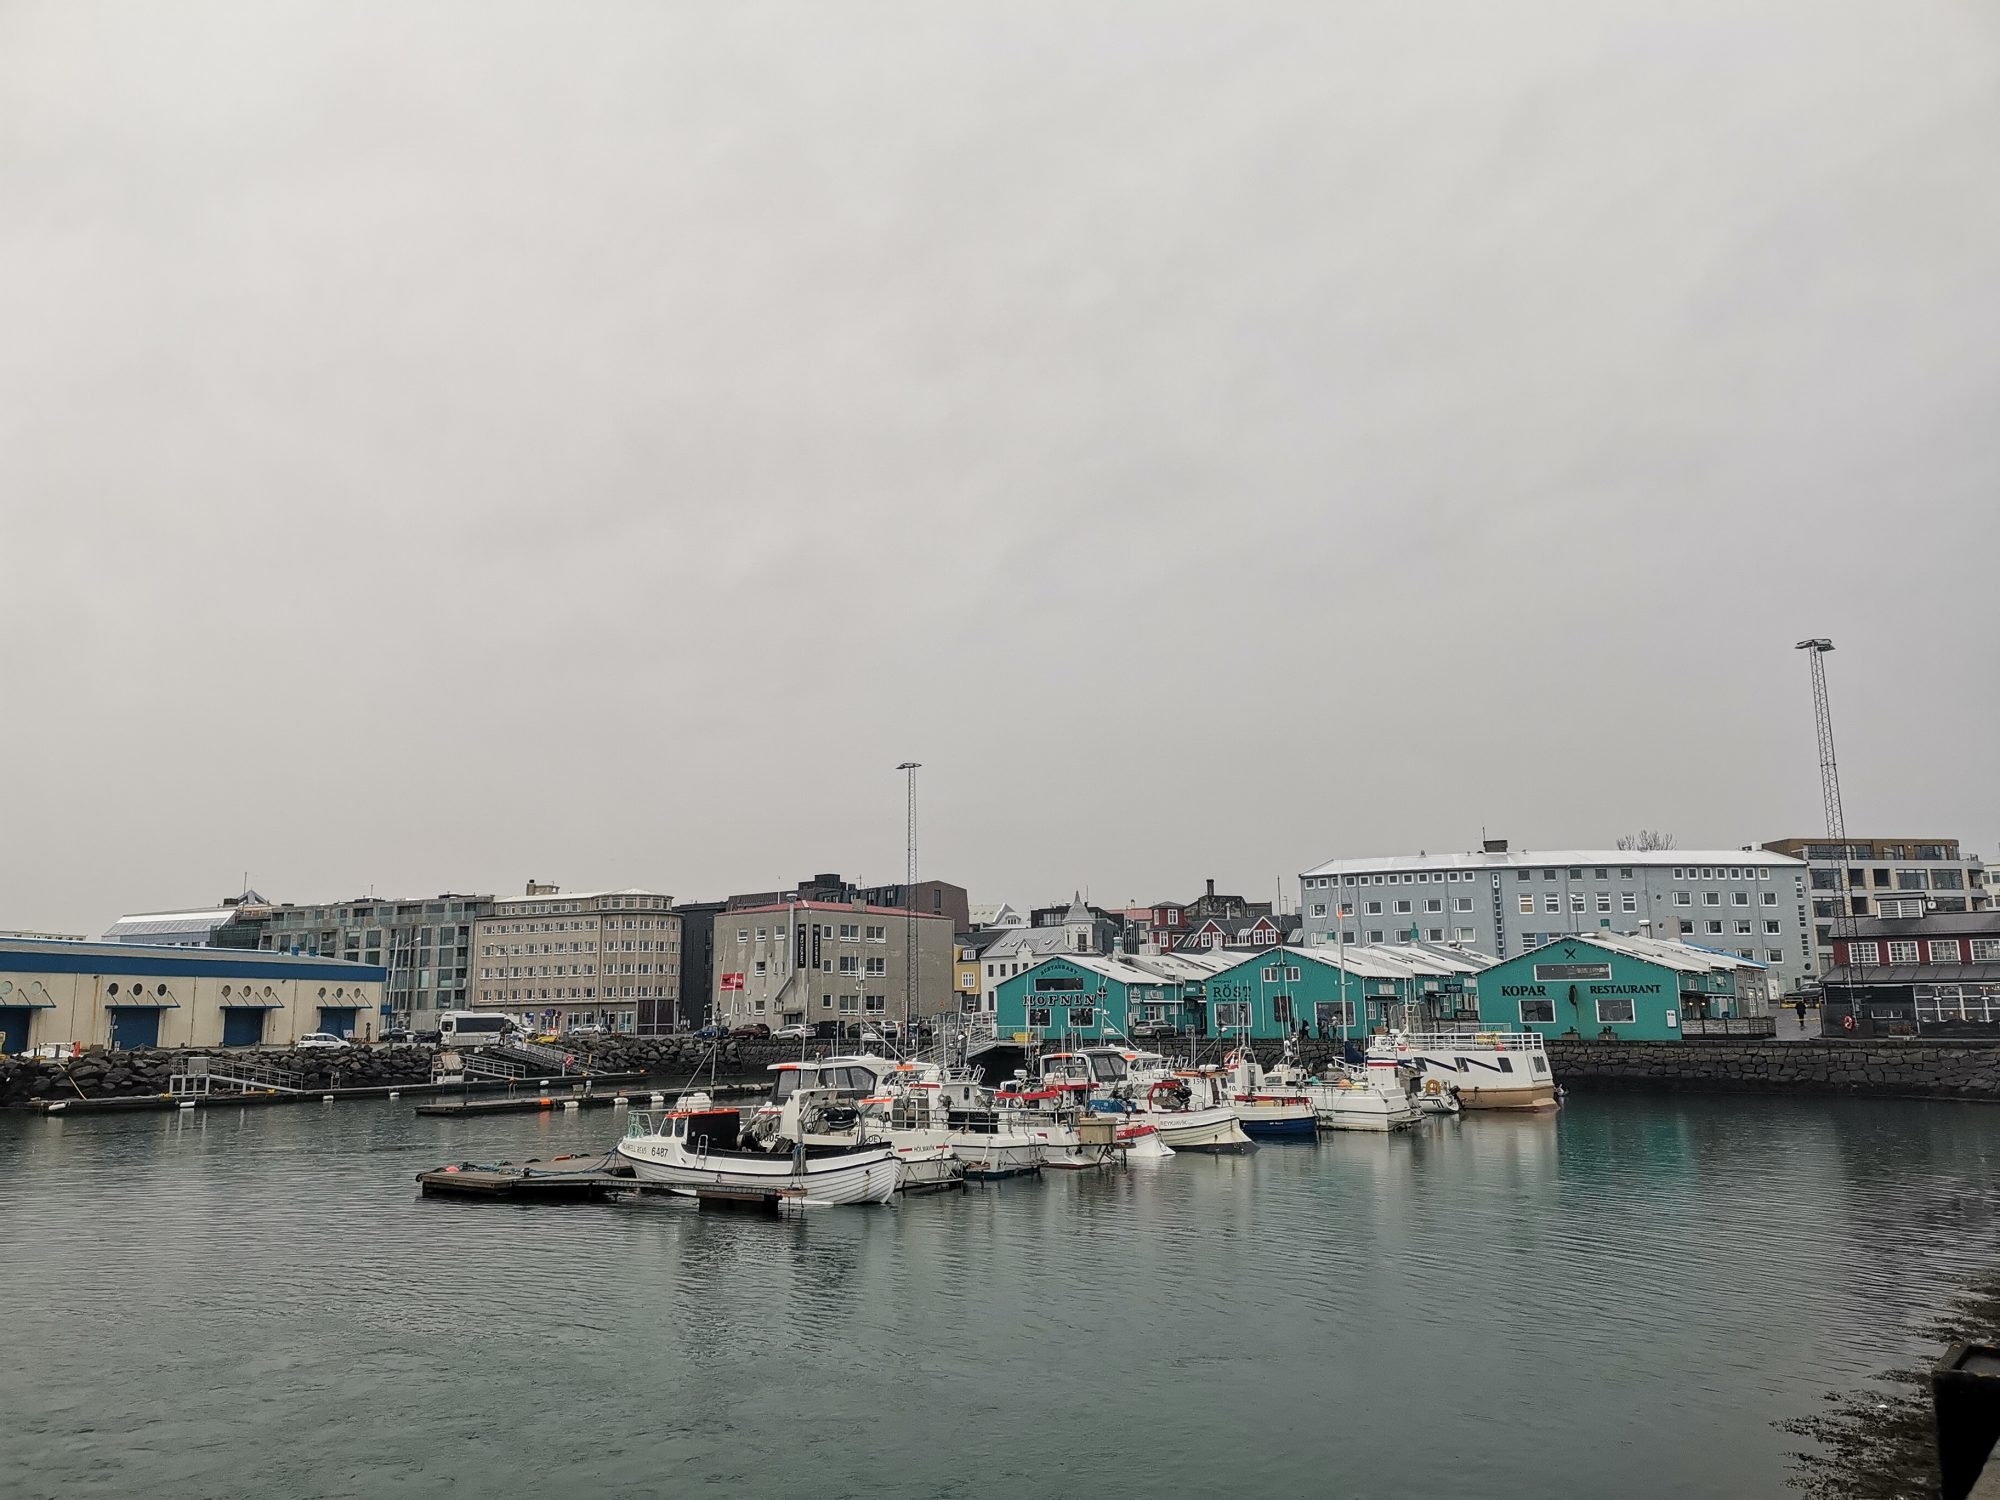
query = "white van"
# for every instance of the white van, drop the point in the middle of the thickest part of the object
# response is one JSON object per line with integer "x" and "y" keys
{"x": 475, "y": 1028}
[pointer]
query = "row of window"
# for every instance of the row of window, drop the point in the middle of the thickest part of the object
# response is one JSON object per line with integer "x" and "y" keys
{"x": 1938, "y": 950}
{"x": 1612, "y": 1010}
{"x": 587, "y": 992}
{"x": 1431, "y": 935}
{"x": 850, "y": 932}
{"x": 600, "y": 903}
{"x": 630, "y": 945}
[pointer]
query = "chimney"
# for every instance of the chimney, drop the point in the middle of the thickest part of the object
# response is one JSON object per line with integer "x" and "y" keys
{"x": 1495, "y": 846}
{"x": 1211, "y": 890}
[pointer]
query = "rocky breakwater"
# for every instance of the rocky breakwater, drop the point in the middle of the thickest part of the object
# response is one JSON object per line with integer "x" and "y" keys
{"x": 1902, "y": 1068}
{"x": 682, "y": 1057}
{"x": 136, "y": 1074}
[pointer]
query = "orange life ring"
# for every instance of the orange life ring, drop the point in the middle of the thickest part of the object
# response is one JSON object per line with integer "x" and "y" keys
{"x": 1847, "y": 1021}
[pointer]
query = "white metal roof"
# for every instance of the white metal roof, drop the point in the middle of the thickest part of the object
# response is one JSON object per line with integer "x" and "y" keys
{"x": 1476, "y": 859}
{"x": 1680, "y": 956}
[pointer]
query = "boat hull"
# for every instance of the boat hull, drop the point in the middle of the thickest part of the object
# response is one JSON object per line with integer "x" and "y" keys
{"x": 1271, "y": 1120}
{"x": 1216, "y": 1129}
{"x": 869, "y": 1175}
{"x": 986, "y": 1157}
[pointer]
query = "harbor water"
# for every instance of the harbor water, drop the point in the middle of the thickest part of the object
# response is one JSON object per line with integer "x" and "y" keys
{"x": 1618, "y": 1299}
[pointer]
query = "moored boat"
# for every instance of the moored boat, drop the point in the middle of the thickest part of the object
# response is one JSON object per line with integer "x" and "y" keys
{"x": 1483, "y": 1070}
{"x": 700, "y": 1145}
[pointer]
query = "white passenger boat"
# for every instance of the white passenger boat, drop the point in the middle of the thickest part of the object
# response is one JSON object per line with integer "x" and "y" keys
{"x": 700, "y": 1145}
{"x": 1484, "y": 1070}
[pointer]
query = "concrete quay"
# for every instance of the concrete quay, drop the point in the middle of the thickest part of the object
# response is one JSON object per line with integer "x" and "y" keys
{"x": 1905, "y": 1068}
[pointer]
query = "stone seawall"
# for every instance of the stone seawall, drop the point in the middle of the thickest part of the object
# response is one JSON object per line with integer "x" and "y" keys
{"x": 1902, "y": 1069}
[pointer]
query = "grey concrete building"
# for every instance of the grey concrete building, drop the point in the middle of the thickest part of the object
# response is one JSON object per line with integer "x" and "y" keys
{"x": 813, "y": 961}
{"x": 425, "y": 945}
{"x": 560, "y": 958}
{"x": 1854, "y": 878}
{"x": 1749, "y": 902}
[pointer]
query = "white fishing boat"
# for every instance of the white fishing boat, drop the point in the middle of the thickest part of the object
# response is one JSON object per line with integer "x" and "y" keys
{"x": 1187, "y": 1107}
{"x": 898, "y": 1104}
{"x": 1268, "y": 1107}
{"x": 1379, "y": 1096}
{"x": 699, "y": 1145}
{"x": 1484, "y": 1070}
{"x": 1067, "y": 1136}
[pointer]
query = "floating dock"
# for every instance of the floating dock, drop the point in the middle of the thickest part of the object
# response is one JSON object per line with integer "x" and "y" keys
{"x": 538, "y": 1100}
{"x": 582, "y": 1180}
{"x": 254, "y": 1098}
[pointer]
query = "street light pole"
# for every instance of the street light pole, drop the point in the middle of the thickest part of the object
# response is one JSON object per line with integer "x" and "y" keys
{"x": 909, "y": 768}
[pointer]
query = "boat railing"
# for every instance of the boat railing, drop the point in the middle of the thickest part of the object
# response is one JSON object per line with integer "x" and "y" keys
{"x": 1463, "y": 1041}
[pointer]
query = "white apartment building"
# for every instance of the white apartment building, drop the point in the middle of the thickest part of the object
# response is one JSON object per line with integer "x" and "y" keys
{"x": 559, "y": 958}
{"x": 1748, "y": 902}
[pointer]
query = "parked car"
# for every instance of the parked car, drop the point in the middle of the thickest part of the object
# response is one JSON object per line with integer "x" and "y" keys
{"x": 397, "y": 1035}
{"x": 321, "y": 1041}
{"x": 712, "y": 1033}
{"x": 546, "y": 1037}
{"x": 870, "y": 1034}
{"x": 798, "y": 1031}
{"x": 427, "y": 1038}
{"x": 756, "y": 1030}
{"x": 591, "y": 1029}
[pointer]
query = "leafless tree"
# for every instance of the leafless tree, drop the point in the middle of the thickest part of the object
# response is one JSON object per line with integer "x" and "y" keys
{"x": 1645, "y": 839}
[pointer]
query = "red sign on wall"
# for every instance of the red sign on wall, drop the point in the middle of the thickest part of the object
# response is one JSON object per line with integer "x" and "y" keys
{"x": 732, "y": 981}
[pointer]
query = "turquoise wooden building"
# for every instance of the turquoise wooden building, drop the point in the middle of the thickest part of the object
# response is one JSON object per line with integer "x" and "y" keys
{"x": 1615, "y": 985}
{"x": 1341, "y": 992}
{"x": 1079, "y": 997}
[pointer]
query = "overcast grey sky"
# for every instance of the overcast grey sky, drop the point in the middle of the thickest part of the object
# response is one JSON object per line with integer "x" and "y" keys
{"x": 447, "y": 443}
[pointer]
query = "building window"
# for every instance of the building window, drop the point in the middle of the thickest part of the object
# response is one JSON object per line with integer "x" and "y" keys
{"x": 1461, "y": 903}
{"x": 1902, "y": 953}
{"x": 1711, "y": 898}
{"x": 1713, "y": 928}
{"x": 877, "y": 967}
{"x": 1372, "y": 908}
{"x": 1538, "y": 1012}
{"x": 1402, "y": 908}
{"x": 1775, "y": 955}
{"x": 1985, "y": 950}
{"x": 1551, "y": 902}
{"x": 742, "y": 934}
{"x": 1604, "y": 901}
{"x": 1576, "y": 899}
{"x": 1772, "y": 927}
{"x": 1739, "y": 898}
{"x": 1462, "y": 934}
{"x": 1628, "y": 902}
{"x": 1433, "y": 904}
{"x": 1742, "y": 928}
{"x": 1528, "y": 904}
{"x": 1614, "y": 1010}
{"x": 1863, "y": 953}
{"x": 1319, "y": 908}
{"x": 1944, "y": 952}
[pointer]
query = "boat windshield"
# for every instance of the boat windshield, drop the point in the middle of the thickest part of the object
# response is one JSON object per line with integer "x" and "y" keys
{"x": 1108, "y": 1067}
{"x": 789, "y": 1082}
